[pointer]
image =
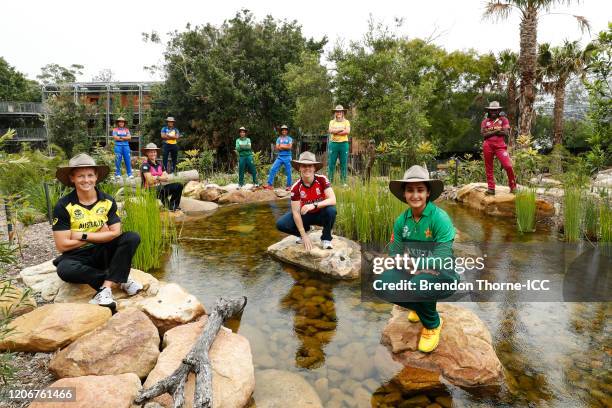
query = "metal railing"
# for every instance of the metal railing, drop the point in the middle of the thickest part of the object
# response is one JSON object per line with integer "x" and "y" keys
{"x": 21, "y": 107}
{"x": 27, "y": 134}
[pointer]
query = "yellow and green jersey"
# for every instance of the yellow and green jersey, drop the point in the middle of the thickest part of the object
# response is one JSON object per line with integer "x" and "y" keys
{"x": 343, "y": 125}
{"x": 70, "y": 214}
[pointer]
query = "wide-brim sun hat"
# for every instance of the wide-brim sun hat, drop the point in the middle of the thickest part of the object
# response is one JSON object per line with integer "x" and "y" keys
{"x": 120, "y": 119}
{"x": 242, "y": 128}
{"x": 306, "y": 158}
{"x": 339, "y": 108}
{"x": 150, "y": 146}
{"x": 284, "y": 127}
{"x": 494, "y": 105}
{"x": 416, "y": 174}
{"x": 170, "y": 119}
{"x": 81, "y": 160}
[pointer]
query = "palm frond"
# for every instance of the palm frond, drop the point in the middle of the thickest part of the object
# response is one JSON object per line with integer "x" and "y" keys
{"x": 583, "y": 23}
{"x": 497, "y": 10}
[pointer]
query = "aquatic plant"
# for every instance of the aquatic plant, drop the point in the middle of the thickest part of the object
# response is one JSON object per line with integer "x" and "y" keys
{"x": 591, "y": 217}
{"x": 572, "y": 214}
{"x": 525, "y": 206}
{"x": 142, "y": 214}
{"x": 605, "y": 221}
{"x": 366, "y": 212}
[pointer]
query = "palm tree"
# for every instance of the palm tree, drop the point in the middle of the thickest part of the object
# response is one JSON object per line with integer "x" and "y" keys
{"x": 507, "y": 77}
{"x": 558, "y": 65}
{"x": 530, "y": 11}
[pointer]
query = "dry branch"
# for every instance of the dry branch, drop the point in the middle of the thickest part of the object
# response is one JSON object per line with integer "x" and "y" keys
{"x": 196, "y": 361}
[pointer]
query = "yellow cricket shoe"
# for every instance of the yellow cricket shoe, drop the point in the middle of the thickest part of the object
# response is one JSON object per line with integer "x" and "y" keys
{"x": 413, "y": 317}
{"x": 430, "y": 338}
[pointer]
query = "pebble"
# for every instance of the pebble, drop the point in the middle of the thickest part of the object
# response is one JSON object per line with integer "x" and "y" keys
{"x": 446, "y": 402}
{"x": 416, "y": 401}
{"x": 371, "y": 384}
{"x": 322, "y": 387}
{"x": 334, "y": 376}
{"x": 362, "y": 397}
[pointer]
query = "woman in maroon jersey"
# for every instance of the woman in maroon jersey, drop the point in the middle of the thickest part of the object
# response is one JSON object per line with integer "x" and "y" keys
{"x": 313, "y": 202}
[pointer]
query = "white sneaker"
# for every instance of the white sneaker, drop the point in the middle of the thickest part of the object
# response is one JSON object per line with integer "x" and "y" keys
{"x": 118, "y": 178}
{"x": 131, "y": 287}
{"x": 298, "y": 240}
{"x": 326, "y": 244}
{"x": 131, "y": 177}
{"x": 104, "y": 297}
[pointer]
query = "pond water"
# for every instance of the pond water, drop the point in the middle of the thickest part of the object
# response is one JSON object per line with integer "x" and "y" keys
{"x": 556, "y": 354}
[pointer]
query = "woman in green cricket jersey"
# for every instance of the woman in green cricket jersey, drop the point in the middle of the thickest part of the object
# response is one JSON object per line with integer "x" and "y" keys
{"x": 245, "y": 157}
{"x": 426, "y": 233}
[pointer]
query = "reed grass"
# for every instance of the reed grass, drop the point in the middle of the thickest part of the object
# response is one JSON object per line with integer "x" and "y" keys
{"x": 142, "y": 214}
{"x": 366, "y": 212}
{"x": 572, "y": 214}
{"x": 591, "y": 218}
{"x": 525, "y": 206}
{"x": 605, "y": 221}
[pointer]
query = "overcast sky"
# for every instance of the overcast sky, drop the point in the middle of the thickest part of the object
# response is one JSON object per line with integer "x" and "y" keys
{"x": 107, "y": 34}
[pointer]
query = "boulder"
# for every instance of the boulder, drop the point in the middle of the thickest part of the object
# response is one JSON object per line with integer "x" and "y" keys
{"x": 275, "y": 388}
{"x": 211, "y": 194}
{"x": 53, "y": 326}
{"x": 171, "y": 307}
{"x": 282, "y": 193}
{"x": 117, "y": 391}
{"x": 14, "y": 301}
{"x": 233, "y": 377}
{"x": 344, "y": 261}
{"x": 127, "y": 343}
{"x": 464, "y": 357}
{"x": 192, "y": 189}
{"x": 247, "y": 196}
{"x": 193, "y": 206}
{"x": 78, "y": 293}
{"x": 545, "y": 182}
{"x": 42, "y": 279}
{"x": 502, "y": 203}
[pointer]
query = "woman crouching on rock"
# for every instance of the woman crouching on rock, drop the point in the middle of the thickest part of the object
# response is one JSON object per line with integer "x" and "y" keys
{"x": 425, "y": 232}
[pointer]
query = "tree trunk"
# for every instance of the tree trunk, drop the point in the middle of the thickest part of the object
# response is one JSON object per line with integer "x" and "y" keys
{"x": 196, "y": 361}
{"x": 511, "y": 111}
{"x": 558, "y": 111}
{"x": 527, "y": 67}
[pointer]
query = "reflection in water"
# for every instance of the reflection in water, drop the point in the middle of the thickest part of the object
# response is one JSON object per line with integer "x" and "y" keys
{"x": 314, "y": 321}
{"x": 557, "y": 354}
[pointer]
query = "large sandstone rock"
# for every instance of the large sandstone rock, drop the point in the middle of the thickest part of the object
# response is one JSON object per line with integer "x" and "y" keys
{"x": 43, "y": 279}
{"x": 171, "y": 307}
{"x": 77, "y": 293}
{"x": 14, "y": 301}
{"x": 53, "y": 326}
{"x": 192, "y": 189}
{"x": 127, "y": 343}
{"x": 248, "y": 196}
{"x": 465, "y": 356}
{"x": 344, "y": 261}
{"x": 193, "y": 206}
{"x": 116, "y": 391}
{"x": 233, "y": 378}
{"x": 502, "y": 203}
{"x": 211, "y": 194}
{"x": 277, "y": 388}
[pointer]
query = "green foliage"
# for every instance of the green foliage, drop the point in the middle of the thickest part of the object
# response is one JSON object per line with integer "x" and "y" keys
{"x": 591, "y": 217}
{"x": 202, "y": 161}
{"x": 366, "y": 212}
{"x": 600, "y": 97}
{"x": 525, "y": 205}
{"x": 67, "y": 122}
{"x": 222, "y": 77}
{"x": 527, "y": 162}
{"x": 57, "y": 74}
{"x": 14, "y": 86}
{"x": 18, "y": 175}
{"x": 605, "y": 221}
{"x": 572, "y": 214}
{"x": 157, "y": 232}
{"x": 309, "y": 83}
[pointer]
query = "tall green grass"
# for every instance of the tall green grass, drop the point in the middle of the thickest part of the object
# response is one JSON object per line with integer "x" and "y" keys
{"x": 572, "y": 214}
{"x": 525, "y": 206}
{"x": 142, "y": 214}
{"x": 366, "y": 212}
{"x": 591, "y": 217}
{"x": 605, "y": 221}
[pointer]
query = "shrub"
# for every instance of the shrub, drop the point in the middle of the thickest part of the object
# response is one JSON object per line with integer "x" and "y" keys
{"x": 572, "y": 214}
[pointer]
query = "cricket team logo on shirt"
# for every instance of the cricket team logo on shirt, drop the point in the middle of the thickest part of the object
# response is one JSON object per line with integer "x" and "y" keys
{"x": 405, "y": 232}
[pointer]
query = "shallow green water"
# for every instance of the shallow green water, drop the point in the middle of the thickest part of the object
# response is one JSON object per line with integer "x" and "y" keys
{"x": 556, "y": 354}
